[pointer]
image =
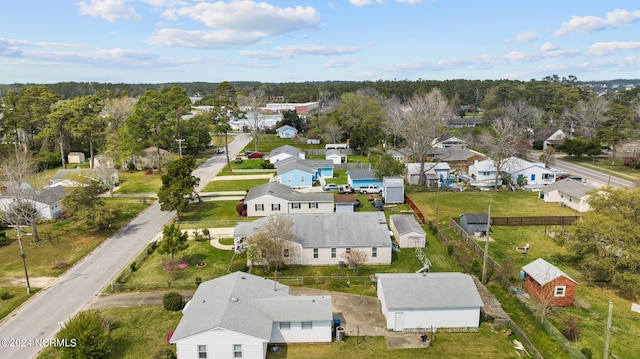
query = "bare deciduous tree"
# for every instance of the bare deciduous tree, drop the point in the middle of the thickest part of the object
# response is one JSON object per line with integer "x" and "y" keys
{"x": 254, "y": 101}
{"x": 356, "y": 257}
{"x": 419, "y": 121}
{"x": 547, "y": 157}
{"x": 273, "y": 246}
{"x": 589, "y": 115}
{"x": 525, "y": 115}
{"x": 501, "y": 142}
{"x": 333, "y": 132}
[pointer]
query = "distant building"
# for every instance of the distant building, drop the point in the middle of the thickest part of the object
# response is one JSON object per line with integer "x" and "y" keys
{"x": 286, "y": 131}
{"x": 548, "y": 284}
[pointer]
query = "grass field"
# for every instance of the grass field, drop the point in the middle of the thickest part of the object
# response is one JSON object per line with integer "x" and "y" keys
{"x": 135, "y": 182}
{"x": 267, "y": 143}
{"x": 236, "y": 185}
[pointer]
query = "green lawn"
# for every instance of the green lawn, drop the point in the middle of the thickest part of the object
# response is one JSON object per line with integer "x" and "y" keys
{"x": 267, "y": 143}
{"x": 139, "y": 332}
{"x": 236, "y": 185}
{"x": 136, "y": 182}
{"x": 211, "y": 214}
{"x": 12, "y": 297}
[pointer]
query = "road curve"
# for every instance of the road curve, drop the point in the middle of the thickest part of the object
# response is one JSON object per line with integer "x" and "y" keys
{"x": 40, "y": 317}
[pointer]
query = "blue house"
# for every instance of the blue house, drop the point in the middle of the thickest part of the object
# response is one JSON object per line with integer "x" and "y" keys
{"x": 295, "y": 175}
{"x": 321, "y": 168}
{"x": 286, "y": 131}
{"x": 362, "y": 178}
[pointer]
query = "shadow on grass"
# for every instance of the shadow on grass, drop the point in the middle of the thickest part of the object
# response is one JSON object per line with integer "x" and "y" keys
{"x": 194, "y": 258}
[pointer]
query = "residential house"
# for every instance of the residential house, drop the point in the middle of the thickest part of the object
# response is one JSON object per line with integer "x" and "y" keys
{"x": 550, "y": 137}
{"x": 334, "y": 156}
{"x": 568, "y": 192}
{"x": 429, "y": 301}
{"x": 461, "y": 122}
{"x": 434, "y": 172}
{"x": 474, "y": 223}
{"x": 362, "y": 178}
{"x": 150, "y": 157}
{"x": 456, "y": 157}
{"x": 295, "y": 174}
{"x": 313, "y": 140}
{"x": 483, "y": 174}
{"x": 273, "y": 198}
{"x": 326, "y": 239}
{"x": 407, "y": 231}
{"x": 400, "y": 155}
{"x": 393, "y": 190}
{"x": 302, "y": 109}
{"x": 446, "y": 141}
{"x": 240, "y": 314}
{"x": 532, "y": 174}
{"x": 548, "y": 284}
{"x": 286, "y": 131}
{"x": 345, "y": 203}
{"x": 321, "y": 168}
{"x": 75, "y": 157}
{"x": 72, "y": 177}
{"x": 628, "y": 148}
{"x": 48, "y": 202}
{"x": 285, "y": 151}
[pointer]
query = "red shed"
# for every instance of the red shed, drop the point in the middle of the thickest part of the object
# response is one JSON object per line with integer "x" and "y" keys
{"x": 548, "y": 284}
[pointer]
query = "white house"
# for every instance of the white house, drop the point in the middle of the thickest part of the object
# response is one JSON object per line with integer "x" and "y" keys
{"x": 313, "y": 140}
{"x": 535, "y": 173}
{"x": 325, "y": 239}
{"x": 429, "y": 300}
{"x": 274, "y": 198}
{"x": 433, "y": 172}
{"x": 286, "y": 131}
{"x": 238, "y": 315}
{"x": 550, "y": 137}
{"x": 446, "y": 141}
{"x": 48, "y": 202}
{"x": 333, "y": 155}
{"x": 72, "y": 177}
{"x": 483, "y": 174}
{"x": 568, "y": 192}
{"x": 285, "y": 151}
{"x": 407, "y": 231}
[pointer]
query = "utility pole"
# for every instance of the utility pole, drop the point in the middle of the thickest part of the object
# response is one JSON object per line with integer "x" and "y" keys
{"x": 486, "y": 246}
{"x": 24, "y": 257}
{"x": 606, "y": 341}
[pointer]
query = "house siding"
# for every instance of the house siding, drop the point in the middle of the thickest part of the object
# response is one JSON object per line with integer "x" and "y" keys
{"x": 335, "y": 158}
{"x": 577, "y": 204}
{"x": 285, "y": 206}
{"x": 324, "y": 255}
{"x": 540, "y": 293}
{"x": 296, "y": 178}
{"x": 436, "y": 318}
{"x": 320, "y": 332}
{"x": 220, "y": 343}
{"x": 358, "y": 183}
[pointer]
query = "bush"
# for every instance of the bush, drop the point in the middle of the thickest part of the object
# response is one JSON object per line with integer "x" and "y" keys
{"x": 267, "y": 165}
{"x": 133, "y": 266}
{"x": 47, "y": 160}
{"x": 173, "y": 301}
{"x": 571, "y": 329}
{"x": 6, "y": 296}
{"x": 198, "y": 281}
{"x": 450, "y": 249}
{"x": 88, "y": 330}
{"x": 165, "y": 354}
{"x": 237, "y": 265}
{"x": 587, "y": 353}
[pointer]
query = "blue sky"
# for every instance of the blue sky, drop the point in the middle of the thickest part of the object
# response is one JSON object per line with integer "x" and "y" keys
{"x": 132, "y": 41}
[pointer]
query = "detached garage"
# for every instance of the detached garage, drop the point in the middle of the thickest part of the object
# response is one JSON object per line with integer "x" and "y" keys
{"x": 426, "y": 300}
{"x": 407, "y": 231}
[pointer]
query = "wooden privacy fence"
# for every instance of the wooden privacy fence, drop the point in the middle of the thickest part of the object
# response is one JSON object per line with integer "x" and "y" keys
{"x": 534, "y": 221}
{"x": 415, "y": 209}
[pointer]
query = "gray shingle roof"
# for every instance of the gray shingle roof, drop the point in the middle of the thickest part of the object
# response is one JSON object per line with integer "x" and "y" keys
{"x": 285, "y": 149}
{"x": 429, "y": 290}
{"x": 544, "y": 272}
{"x": 406, "y": 223}
{"x": 285, "y": 192}
{"x": 247, "y": 304}
{"x": 359, "y": 229}
{"x": 569, "y": 186}
{"x": 361, "y": 174}
{"x": 294, "y": 166}
{"x": 481, "y": 218}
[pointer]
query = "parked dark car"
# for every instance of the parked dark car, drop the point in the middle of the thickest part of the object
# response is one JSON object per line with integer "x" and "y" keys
{"x": 357, "y": 203}
{"x": 377, "y": 204}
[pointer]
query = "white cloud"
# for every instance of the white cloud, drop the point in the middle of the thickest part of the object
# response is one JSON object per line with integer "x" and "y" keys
{"x": 360, "y": 3}
{"x": 526, "y": 36}
{"x": 203, "y": 39}
{"x": 314, "y": 49}
{"x": 615, "y": 18}
{"x": 335, "y": 63}
{"x": 110, "y": 10}
{"x": 410, "y": 2}
{"x": 265, "y": 55}
{"x": 547, "y": 46}
{"x": 244, "y": 15}
{"x": 606, "y": 48}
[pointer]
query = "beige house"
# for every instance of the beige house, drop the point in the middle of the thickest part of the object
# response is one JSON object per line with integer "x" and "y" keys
{"x": 568, "y": 192}
{"x": 75, "y": 157}
{"x": 407, "y": 231}
{"x": 273, "y": 198}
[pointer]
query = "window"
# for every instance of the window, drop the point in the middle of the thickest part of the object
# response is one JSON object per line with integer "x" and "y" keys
{"x": 333, "y": 252}
{"x": 275, "y": 206}
{"x": 285, "y": 325}
{"x": 295, "y": 205}
{"x": 374, "y": 252}
{"x": 289, "y": 179}
{"x": 348, "y": 250}
{"x": 313, "y": 205}
{"x": 259, "y": 207}
{"x": 307, "y": 325}
{"x": 301, "y": 179}
{"x": 237, "y": 350}
{"x": 285, "y": 253}
{"x": 315, "y": 253}
{"x": 202, "y": 351}
{"x": 560, "y": 291}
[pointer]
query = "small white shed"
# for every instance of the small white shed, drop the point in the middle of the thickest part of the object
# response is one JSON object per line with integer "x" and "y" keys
{"x": 429, "y": 300}
{"x": 407, "y": 231}
{"x": 393, "y": 189}
{"x": 75, "y": 157}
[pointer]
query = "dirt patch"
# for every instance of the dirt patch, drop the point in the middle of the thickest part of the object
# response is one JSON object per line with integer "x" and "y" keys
{"x": 35, "y": 282}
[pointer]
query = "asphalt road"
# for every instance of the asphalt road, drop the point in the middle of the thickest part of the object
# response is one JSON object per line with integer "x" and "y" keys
{"x": 592, "y": 175}
{"x": 41, "y": 316}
